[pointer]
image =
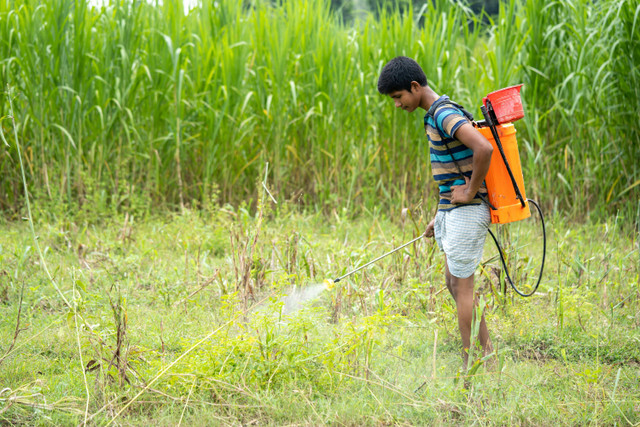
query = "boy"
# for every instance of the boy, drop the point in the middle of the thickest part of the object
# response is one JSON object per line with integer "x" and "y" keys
{"x": 460, "y": 158}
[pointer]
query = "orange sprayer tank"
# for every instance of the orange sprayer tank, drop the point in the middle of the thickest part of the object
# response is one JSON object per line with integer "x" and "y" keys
{"x": 501, "y": 193}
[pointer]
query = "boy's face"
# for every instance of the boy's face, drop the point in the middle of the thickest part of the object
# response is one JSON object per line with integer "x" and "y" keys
{"x": 407, "y": 100}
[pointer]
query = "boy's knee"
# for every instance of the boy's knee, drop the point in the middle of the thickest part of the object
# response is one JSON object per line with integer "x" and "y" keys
{"x": 461, "y": 286}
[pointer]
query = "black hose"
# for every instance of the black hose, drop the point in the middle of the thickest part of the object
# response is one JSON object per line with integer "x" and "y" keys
{"x": 544, "y": 253}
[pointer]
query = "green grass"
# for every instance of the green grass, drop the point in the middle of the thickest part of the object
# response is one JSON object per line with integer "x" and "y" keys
{"x": 360, "y": 354}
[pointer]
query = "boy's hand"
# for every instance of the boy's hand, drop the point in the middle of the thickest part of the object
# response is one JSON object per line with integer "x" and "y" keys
{"x": 429, "y": 231}
{"x": 461, "y": 193}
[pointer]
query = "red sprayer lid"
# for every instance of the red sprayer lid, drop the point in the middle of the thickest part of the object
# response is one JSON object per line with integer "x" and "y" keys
{"x": 506, "y": 104}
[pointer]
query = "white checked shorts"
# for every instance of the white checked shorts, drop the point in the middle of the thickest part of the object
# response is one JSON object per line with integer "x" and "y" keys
{"x": 460, "y": 234}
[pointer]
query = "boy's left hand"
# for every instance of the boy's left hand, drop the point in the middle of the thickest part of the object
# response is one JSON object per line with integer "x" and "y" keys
{"x": 460, "y": 193}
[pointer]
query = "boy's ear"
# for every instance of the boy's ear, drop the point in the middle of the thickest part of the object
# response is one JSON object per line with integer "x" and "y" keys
{"x": 415, "y": 86}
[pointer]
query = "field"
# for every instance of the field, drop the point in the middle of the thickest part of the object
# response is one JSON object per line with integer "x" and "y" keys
{"x": 151, "y": 319}
{"x": 175, "y": 188}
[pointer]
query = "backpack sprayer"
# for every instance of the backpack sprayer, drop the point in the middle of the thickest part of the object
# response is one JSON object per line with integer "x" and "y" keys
{"x": 504, "y": 180}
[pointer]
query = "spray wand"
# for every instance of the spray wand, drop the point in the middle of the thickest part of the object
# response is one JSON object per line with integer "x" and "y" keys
{"x": 331, "y": 283}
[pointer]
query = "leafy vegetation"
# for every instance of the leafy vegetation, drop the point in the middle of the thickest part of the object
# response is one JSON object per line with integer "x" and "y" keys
{"x": 136, "y": 105}
{"x": 157, "y": 324}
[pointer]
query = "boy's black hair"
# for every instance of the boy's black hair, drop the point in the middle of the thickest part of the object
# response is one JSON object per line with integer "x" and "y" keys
{"x": 398, "y": 75}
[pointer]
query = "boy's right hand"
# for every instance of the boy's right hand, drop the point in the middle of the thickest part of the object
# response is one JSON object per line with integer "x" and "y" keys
{"x": 429, "y": 231}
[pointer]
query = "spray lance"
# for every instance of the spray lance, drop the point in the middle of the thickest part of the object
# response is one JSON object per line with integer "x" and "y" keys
{"x": 331, "y": 283}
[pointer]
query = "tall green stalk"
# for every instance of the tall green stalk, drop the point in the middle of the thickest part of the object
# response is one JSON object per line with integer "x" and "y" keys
{"x": 138, "y": 105}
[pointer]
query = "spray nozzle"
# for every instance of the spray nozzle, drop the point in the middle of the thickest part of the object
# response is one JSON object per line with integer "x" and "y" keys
{"x": 329, "y": 284}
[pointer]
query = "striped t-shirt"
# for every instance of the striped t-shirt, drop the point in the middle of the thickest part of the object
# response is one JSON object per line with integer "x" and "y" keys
{"x": 440, "y": 125}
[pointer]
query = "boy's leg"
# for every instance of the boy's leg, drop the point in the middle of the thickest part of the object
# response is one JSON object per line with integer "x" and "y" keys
{"x": 462, "y": 291}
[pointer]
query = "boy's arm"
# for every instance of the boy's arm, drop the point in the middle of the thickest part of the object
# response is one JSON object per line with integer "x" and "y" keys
{"x": 482, "y": 150}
